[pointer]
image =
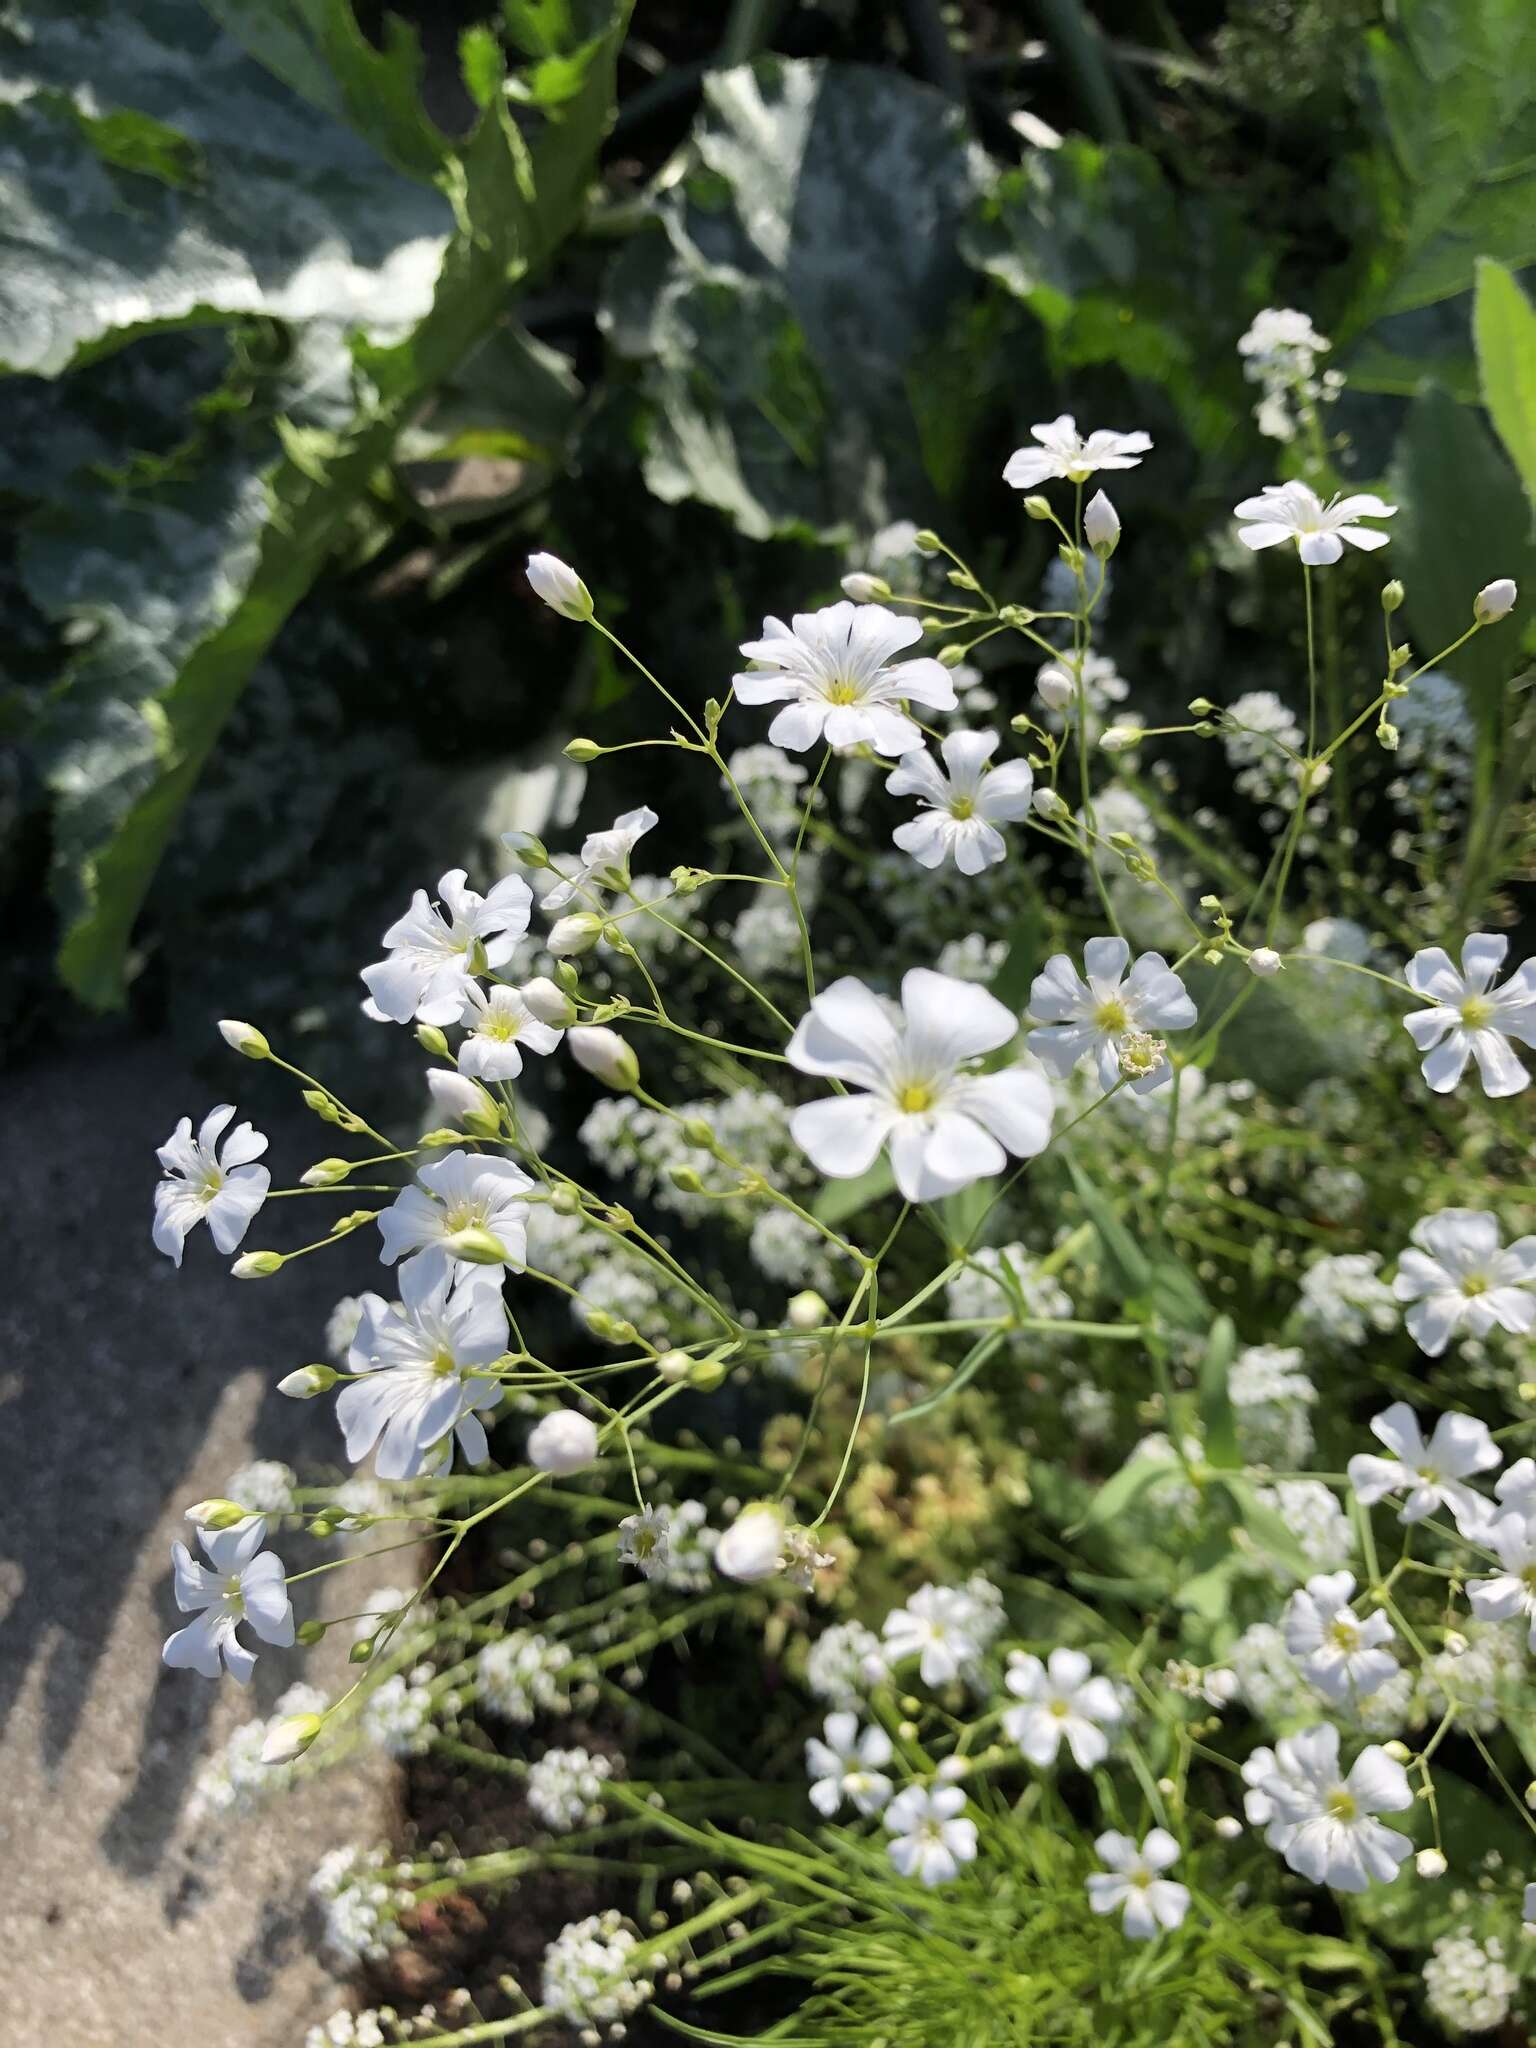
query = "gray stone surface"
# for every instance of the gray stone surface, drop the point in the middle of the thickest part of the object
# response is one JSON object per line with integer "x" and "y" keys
{"x": 128, "y": 1391}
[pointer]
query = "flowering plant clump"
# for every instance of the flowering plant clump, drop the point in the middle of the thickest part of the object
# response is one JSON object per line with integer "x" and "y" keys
{"x": 1012, "y": 1269}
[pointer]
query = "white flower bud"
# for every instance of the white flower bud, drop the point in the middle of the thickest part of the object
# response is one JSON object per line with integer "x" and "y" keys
{"x": 559, "y": 586}
{"x": 1455, "y": 1644}
{"x": 1119, "y": 739}
{"x": 217, "y": 1514}
{"x": 256, "y": 1265}
{"x": 1264, "y": 961}
{"x": 578, "y": 933}
{"x": 753, "y": 1545}
{"x": 1055, "y": 687}
{"x": 1045, "y": 803}
{"x": 548, "y": 1001}
{"x": 808, "y": 1311}
{"x": 1229, "y": 1827}
{"x": 1495, "y": 601}
{"x": 288, "y": 1738}
{"x": 865, "y": 589}
{"x": 253, "y": 1043}
{"x": 306, "y": 1382}
{"x": 562, "y": 1442}
{"x": 478, "y": 1247}
{"x": 1430, "y": 1863}
{"x": 1101, "y": 525}
{"x": 674, "y": 1366}
{"x": 460, "y": 1099}
{"x": 604, "y": 1055}
{"x": 325, "y": 1173}
{"x": 1399, "y": 1752}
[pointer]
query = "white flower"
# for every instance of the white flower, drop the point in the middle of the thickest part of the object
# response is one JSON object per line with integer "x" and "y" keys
{"x": 962, "y": 804}
{"x": 604, "y": 859}
{"x": 1294, "y": 511}
{"x": 501, "y": 1025}
{"x": 943, "y": 1125}
{"x": 548, "y": 1001}
{"x": 1130, "y": 1879}
{"x": 1513, "y": 1591}
{"x": 1320, "y": 1821}
{"x": 208, "y": 1181}
{"x": 1469, "y": 1017}
{"x": 1342, "y": 1655}
{"x": 1264, "y": 961}
{"x": 459, "y": 1193}
{"x": 844, "y": 1662}
{"x": 559, "y": 586}
{"x": 930, "y": 1840}
{"x": 1281, "y": 342}
{"x": 1101, "y": 524}
{"x": 604, "y": 1055}
{"x": 938, "y": 1626}
{"x": 1460, "y": 1274}
{"x": 240, "y": 1582}
{"x": 1064, "y": 453}
{"x": 592, "y": 1975}
{"x": 1109, "y": 1018}
{"x": 848, "y": 1766}
{"x": 753, "y": 1546}
{"x": 831, "y": 671}
{"x": 1495, "y": 601}
{"x": 1432, "y": 1474}
{"x": 563, "y": 1441}
{"x": 417, "y": 1363}
{"x": 1063, "y": 1700}
{"x": 565, "y": 1788}
{"x": 433, "y": 957}
{"x": 644, "y": 1541}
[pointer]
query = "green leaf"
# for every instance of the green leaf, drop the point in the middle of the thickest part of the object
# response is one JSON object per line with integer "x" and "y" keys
{"x": 1122, "y": 1490}
{"x": 1267, "y": 1529}
{"x": 1505, "y": 328}
{"x": 1152, "y": 1278}
{"x": 840, "y": 1199}
{"x": 1218, "y": 1424}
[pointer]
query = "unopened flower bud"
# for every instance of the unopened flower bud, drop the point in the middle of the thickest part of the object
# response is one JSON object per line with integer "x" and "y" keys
{"x": 1016, "y": 615}
{"x": 1264, "y": 961}
{"x": 808, "y": 1311}
{"x": 310, "y": 1632}
{"x": 1430, "y": 1863}
{"x": 362, "y": 1651}
{"x": 1392, "y": 595}
{"x": 1119, "y": 739}
{"x": 1229, "y": 1827}
{"x": 1045, "y": 803}
{"x": 865, "y": 589}
{"x": 1495, "y": 601}
{"x": 604, "y": 1055}
{"x": 322, "y": 1105}
{"x": 432, "y": 1040}
{"x": 253, "y": 1043}
{"x": 288, "y": 1738}
{"x": 674, "y": 1366}
{"x": 1455, "y": 1644}
{"x": 952, "y": 656}
{"x": 562, "y": 1442}
{"x": 217, "y": 1514}
{"x": 456, "y": 1095}
{"x": 707, "y": 1373}
{"x": 581, "y": 750}
{"x": 578, "y": 933}
{"x": 548, "y": 1001}
{"x": 699, "y": 1133}
{"x": 526, "y": 847}
{"x": 685, "y": 1178}
{"x": 1055, "y": 687}
{"x": 1037, "y": 506}
{"x": 1101, "y": 525}
{"x": 1386, "y": 734}
{"x": 1200, "y": 706}
{"x": 927, "y": 542}
{"x": 1398, "y": 1751}
{"x": 565, "y": 1201}
{"x": 559, "y": 586}
{"x": 478, "y": 1246}
{"x": 256, "y": 1265}
{"x": 751, "y": 1548}
{"x": 325, "y": 1173}
{"x": 307, "y": 1381}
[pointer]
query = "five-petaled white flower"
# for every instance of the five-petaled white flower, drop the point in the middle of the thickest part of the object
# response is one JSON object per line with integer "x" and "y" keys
{"x": 943, "y": 1124}
{"x": 417, "y": 1363}
{"x": 1343, "y": 1656}
{"x": 434, "y": 953}
{"x": 460, "y": 1203}
{"x": 1512, "y": 1591}
{"x": 1432, "y": 1474}
{"x": 832, "y": 672}
{"x": 848, "y": 1765}
{"x": 1322, "y": 1821}
{"x": 1469, "y": 1018}
{"x": 962, "y": 804}
{"x": 938, "y": 1627}
{"x": 930, "y": 1836}
{"x": 1062, "y": 1699}
{"x": 209, "y": 1181}
{"x": 501, "y": 1028}
{"x": 1131, "y": 1879}
{"x": 1458, "y": 1272}
{"x": 604, "y": 860}
{"x": 1295, "y": 512}
{"x": 1110, "y": 1018}
{"x": 240, "y": 1582}
{"x": 1062, "y": 452}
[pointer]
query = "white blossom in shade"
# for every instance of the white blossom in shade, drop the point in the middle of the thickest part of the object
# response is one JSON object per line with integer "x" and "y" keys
{"x": 1516, "y": 1487}
{"x": 501, "y": 1028}
{"x": 1101, "y": 524}
{"x": 459, "y": 1192}
{"x": 565, "y": 1788}
{"x": 208, "y": 1181}
{"x": 1293, "y": 511}
{"x": 396, "y": 1716}
{"x": 845, "y": 1661}
{"x": 1063, "y": 1700}
{"x": 943, "y": 1124}
{"x": 938, "y": 1626}
{"x": 1280, "y": 345}
{"x": 592, "y": 1973}
{"x": 564, "y": 1441}
{"x": 436, "y": 949}
{"x": 1431, "y": 1475}
{"x": 1131, "y": 1880}
{"x": 1458, "y": 1274}
{"x": 418, "y": 1366}
{"x": 1110, "y": 1018}
{"x": 1322, "y": 1822}
{"x": 833, "y": 672}
{"x": 1469, "y": 1018}
{"x": 848, "y": 1765}
{"x": 557, "y": 583}
{"x": 359, "y": 1908}
{"x": 1063, "y": 453}
{"x": 930, "y": 1837}
{"x": 1495, "y": 601}
{"x": 1344, "y": 1298}
{"x": 240, "y": 1582}
{"x": 1468, "y": 1986}
{"x": 644, "y": 1541}
{"x": 238, "y": 1777}
{"x": 1344, "y": 1657}
{"x": 962, "y": 804}
{"x": 1512, "y": 1591}
{"x": 604, "y": 860}
{"x": 521, "y": 1676}
{"x": 752, "y": 1548}
{"x": 1312, "y": 1513}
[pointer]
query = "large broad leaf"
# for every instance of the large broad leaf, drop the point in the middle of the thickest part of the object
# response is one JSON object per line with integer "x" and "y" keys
{"x": 796, "y": 279}
{"x": 1121, "y": 268}
{"x": 1505, "y": 326}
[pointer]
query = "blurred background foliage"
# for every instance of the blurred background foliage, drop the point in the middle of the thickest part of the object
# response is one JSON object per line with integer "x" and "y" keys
{"x": 315, "y": 316}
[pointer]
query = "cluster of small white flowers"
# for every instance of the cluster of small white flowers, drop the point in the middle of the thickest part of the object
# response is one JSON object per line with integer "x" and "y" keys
{"x": 397, "y": 1715}
{"x": 773, "y": 785}
{"x": 1312, "y": 1513}
{"x": 351, "y": 2030}
{"x": 360, "y": 1908}
{"x": 235, "y": 1781}
{"x": 845, "y": 1661}
{"x": 1483, "y": 1674}
{"x": 783, "y": 1246}
{"x": 946, "y": 1628}
{"x": 565, "y": 1788}
{"x": 1344, "y": 1300}
{"x": 979, "y": 1289}
{"x": 1271, "y": 1686}
{"x": 520, "y": 1675}
{"x": 265, "y": 1485}
{"x": 691, "y": 1543}
{"x": 972, "y": 958}
{"x": 1271, "y": 1395}
{"x": 1280, "y": 353}
{"x": 765, "y": 939}
{"x": 593, "y": 1972}
{"x": 1249, "y": 732}
{"x": 1468, "y": 1986}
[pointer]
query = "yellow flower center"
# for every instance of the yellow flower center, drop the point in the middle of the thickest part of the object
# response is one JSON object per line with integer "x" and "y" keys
{"x": 443, "y": 1362}
{"x": 963, "y": 807}
{"x": 500, "y": 1025}
{"x": 1528, "y": 1578}
{"x": 1342, "y": 1804}
{"x": 233, "y": 1594}
{"x": 1111, "y": 1015}
{"x": 1477, "y": 1013}
{"x": 914, "y": 1099}
{"x": 842, "y": 692}
{"x": 1344, "y": 1635}
{"x": 1474, "y": 1284}
{"x": 1060, "y": 1709}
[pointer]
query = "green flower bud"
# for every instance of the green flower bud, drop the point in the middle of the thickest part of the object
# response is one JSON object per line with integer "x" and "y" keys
{"x": 431, "y": 1040}
{"x": 1037, "y": 507}
{"x": 1392, "y": 595}
{"x": 256, "y": 1265}
{"x": 244, "y": 1038}
{"x": 952, "y": 656}
{"x": 927, "y": 542}
{"x": 582, "y": 750}
{"x": 308, "y": 1633}
{"x": 480, "y": 1247}
{"x": 325, "y": 1173}
{"x": 217, "y": 1514}
{"x": 306, "y": 1381}
{"x": 685, "y": 1178}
